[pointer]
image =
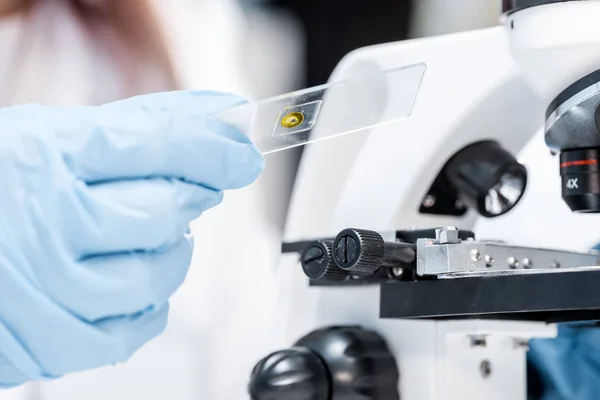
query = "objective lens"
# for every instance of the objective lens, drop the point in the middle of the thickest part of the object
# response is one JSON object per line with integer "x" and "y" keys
{"x": 573, "y": 130}
{"x": 580, "y": 176}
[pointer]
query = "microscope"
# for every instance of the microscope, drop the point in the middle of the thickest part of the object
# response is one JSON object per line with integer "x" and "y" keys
{"x": 393, "y": 285}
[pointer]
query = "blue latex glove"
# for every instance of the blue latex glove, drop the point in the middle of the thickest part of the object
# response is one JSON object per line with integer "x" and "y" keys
{"x": 94, "y": 208}
{"x": 568, "y": 365}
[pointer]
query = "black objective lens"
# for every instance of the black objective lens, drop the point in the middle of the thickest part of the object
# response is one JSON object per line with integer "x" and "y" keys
{"x": 573, "y": 130}
{"x": 580, "y": 175}
{"x": 488, "y": 178}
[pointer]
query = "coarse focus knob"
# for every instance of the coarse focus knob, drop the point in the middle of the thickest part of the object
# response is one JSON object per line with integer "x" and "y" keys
{"x": 359, "y": 251}
{"x": 317, "y": 262}
{"x": 297, "y": 373}
{"x": 334, "y": 363}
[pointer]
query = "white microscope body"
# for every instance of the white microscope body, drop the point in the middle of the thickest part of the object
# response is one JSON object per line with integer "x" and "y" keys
{"x": 491, "y": 84}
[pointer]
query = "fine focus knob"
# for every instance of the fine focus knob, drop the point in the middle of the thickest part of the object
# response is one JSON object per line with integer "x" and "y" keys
{"x": 317, "y": 262}
{"x": 297, "y": 373}
{"x": 359, "y": 251}
{"x": 335, "y": 363}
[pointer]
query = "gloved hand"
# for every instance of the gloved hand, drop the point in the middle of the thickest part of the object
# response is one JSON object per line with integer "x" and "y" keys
{"x": 94, "y": 209}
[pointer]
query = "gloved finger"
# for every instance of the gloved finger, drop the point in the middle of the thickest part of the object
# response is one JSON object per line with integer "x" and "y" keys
{"x": 205, "y": 101}
{"x": 161, "y": 135}
{"x": 67, "y": 343}
{"x": 22, "y": 368}
{"x": 134, "y": 330}
{"x": 117, "y": 284}
{"x": 118, "y": 338}
{"x": 123, "y": 216}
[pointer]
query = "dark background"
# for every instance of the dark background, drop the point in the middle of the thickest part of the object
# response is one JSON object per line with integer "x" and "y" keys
{"x": 333, "y": 28}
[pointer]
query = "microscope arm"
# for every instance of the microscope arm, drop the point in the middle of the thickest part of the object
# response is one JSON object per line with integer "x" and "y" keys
{"x": 472, "y": 90}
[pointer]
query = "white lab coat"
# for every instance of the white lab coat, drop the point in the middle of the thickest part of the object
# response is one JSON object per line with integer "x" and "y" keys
{"x": 219, "y": 317}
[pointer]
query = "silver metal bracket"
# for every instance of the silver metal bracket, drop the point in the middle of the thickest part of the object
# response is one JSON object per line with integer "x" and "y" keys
{"x": 447, "y": 258}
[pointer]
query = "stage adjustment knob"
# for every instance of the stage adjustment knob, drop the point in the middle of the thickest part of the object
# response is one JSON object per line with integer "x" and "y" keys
{"x": 359, "y": 251}
{"x": 317, "y": 262}
{"x": 363, "y": 252}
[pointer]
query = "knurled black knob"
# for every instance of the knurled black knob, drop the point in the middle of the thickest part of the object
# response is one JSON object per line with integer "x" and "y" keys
{"x": 359, "y": 251}
{"x": 333, "y": 363}
{"x": 317, "y": 262}
{"x": 297, "y": 373}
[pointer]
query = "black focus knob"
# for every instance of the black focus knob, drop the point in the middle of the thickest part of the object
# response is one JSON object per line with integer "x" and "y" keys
{"x": 359, "y": 251}
{"x": 336, "y": 363}
{"x": 295, "y": 374}
{"x": 317, "y": 262}
{"x": 363, "y": 252}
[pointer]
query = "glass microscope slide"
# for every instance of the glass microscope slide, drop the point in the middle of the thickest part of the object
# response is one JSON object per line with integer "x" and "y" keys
{"x": 323, "y": 112}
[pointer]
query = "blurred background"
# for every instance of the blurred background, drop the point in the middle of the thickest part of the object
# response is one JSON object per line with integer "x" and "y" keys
{"x": 94, "y": 51}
